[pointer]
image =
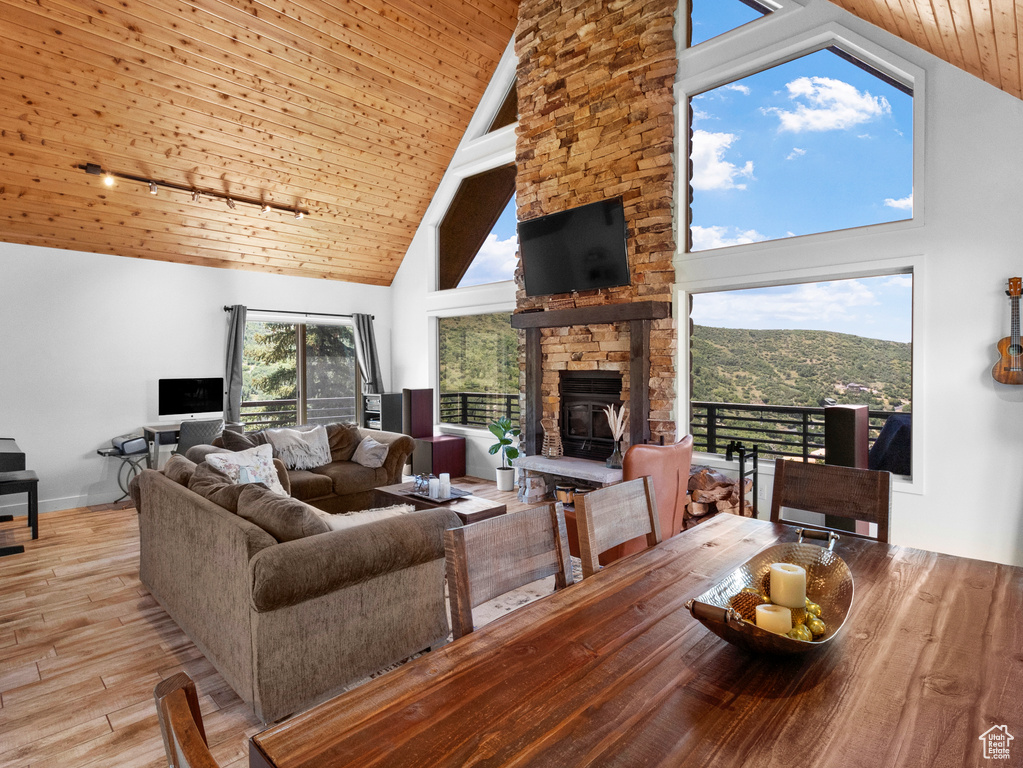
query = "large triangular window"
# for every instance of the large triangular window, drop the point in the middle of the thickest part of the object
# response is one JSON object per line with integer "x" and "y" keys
{"x": 710, "y": 18}
{"x": 477, "y": 238}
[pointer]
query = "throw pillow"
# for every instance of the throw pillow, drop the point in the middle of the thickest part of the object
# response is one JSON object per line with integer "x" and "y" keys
{"x": 214, "y": 485}
{"x": 255, "y": 464}
{"x": 179, "y": 469}
{"x": 343, "y": 520}
{"x": 240, "y": 441}
{"x": 300, "y": 448}
{"x": 344, "y": 439}
{"x": 370, "y": 453}
{"x": 283, "y": 517}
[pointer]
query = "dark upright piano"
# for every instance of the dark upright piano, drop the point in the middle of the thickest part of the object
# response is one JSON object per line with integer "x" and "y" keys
{"x": 12, "y": 460}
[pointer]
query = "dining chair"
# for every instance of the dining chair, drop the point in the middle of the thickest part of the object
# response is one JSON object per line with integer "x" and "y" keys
{"x": 198, "y": 432}
{"x": 613, "y": 515}
{"x": 492, "y": 557}
{"x": 853, "y": 494}
{"x": 184, "y": 738}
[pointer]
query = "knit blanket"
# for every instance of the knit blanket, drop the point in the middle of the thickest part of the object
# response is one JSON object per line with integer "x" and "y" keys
{"x": 301, "y": 449}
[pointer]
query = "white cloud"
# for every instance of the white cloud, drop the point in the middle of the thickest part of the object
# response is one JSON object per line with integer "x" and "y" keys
{"x": 710, "y": 169}
{"x": 903, "y": 204}
{"x": 812, "y": 305}
{"x": 495, "y": 262}
{"x": 899, "y": 281}
{"x": 796, "y": 152}
{"x": 826, "y": 104}
{"x": 743, "y": 89}
{"x": 705, "y": 238}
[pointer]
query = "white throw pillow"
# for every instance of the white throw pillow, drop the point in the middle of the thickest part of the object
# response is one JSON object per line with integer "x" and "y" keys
{"x": 258, "y": 465}
{"x": 301, "y": 448}
{"x": 370, "y": 453}
{"x": 343, "y": 520}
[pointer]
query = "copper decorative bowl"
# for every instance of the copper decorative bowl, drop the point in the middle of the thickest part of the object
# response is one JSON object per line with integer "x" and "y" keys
{"x": 829, "y": 583}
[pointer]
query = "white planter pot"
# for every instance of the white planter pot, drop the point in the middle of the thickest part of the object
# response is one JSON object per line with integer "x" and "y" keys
{"x": 505, "y": 478}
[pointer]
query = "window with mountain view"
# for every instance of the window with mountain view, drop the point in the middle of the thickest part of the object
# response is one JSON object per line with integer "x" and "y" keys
{"x": 297, "y": 373}
{"x": 765, "y": 361}
{"x": 478, "y": 369}
{"x": 710, "y": 18}
{"x": 817, "y": 144}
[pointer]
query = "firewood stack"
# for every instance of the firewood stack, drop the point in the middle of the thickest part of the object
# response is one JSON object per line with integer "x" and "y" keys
{"x": 712, "y": 492}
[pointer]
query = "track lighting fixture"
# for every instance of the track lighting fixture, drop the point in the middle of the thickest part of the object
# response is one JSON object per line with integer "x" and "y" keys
{"x": 154, "y": 186}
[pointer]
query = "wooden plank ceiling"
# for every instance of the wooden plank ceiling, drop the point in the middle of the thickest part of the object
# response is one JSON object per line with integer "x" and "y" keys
{"x": 348, "y": 109}
{"x": 979, "y": 36}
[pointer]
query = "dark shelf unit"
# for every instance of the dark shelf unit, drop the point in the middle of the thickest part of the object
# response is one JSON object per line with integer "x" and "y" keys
{"x": 382, "y": 411}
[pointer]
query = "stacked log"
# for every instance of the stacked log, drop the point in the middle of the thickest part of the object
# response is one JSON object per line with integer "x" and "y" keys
{"x": 711, "y": 492}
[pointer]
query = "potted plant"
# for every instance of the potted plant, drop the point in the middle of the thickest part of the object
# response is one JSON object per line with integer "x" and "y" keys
{"x": 505, "y": 433}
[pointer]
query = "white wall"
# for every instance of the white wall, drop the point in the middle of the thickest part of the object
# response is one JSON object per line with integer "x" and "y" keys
{"x": 86, "y": 337}
{"x": 966, "y": 496}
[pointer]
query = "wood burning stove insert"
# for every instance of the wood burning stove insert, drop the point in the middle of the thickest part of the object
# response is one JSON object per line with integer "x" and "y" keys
{"x": 585, "y": 433}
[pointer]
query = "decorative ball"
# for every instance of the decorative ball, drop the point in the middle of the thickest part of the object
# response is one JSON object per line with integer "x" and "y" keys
{"x": 813, "y": 608}
{"x": 801, "y": 633}
{"x": 816, "y": 626}
{"x": 799, "y": 616}
{"x": 745, "y": 604}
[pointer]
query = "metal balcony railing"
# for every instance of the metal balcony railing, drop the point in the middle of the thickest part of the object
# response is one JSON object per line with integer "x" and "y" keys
{"x": 777, "y": 430}
{"x": 260, "y": 414}
{"x": 478, "y": 408}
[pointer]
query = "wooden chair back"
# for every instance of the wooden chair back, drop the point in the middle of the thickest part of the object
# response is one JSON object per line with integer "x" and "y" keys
{"x": 492, "y": 557}
{"x": 610, "y": 516}
{"x": 184, "y": 738}
{"x": 853, "y": 494}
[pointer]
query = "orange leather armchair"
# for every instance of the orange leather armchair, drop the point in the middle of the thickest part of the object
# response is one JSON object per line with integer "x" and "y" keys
{"x": 668, "y": 466}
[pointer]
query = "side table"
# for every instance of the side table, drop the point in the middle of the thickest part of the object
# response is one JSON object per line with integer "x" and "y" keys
{"x": 130, "y": 466}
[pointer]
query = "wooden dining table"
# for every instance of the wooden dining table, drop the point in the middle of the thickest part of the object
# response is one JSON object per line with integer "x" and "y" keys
{"x": 614, "y": 671}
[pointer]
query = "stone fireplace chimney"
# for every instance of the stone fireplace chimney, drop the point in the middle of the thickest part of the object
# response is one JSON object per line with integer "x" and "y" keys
{"x": 596, "y": 120}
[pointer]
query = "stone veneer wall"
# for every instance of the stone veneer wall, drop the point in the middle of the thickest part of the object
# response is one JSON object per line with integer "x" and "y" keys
{"x": 596, "y": 120}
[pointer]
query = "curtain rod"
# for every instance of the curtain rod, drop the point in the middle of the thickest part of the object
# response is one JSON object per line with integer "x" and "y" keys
{"x": 307, "y": 314}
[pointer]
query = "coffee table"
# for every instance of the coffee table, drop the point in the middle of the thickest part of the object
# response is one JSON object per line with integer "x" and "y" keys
{"x": 470, "y": 509}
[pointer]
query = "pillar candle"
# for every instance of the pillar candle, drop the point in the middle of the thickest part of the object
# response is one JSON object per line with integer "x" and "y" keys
{"x": 788, "y": 585}
{"x": 445, "y": 485}
{"x": 774, "y": 618}
{"x": 434, "y": 488}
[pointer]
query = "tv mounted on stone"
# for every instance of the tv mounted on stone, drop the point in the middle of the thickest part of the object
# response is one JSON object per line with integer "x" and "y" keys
{"x": 579, "y": 249}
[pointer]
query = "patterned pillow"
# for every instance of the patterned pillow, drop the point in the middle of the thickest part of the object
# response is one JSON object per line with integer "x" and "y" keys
{"x": 370, "y": 453}
{"x": 255, "y": 465}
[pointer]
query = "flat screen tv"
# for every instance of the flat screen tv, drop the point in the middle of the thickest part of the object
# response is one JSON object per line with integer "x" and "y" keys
{"x": 185, "y": 396}
{"x": 575, "y": 250}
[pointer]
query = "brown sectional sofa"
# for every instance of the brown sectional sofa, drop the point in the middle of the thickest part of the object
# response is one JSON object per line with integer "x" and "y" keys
{"x": 287, "y": 623}
{"x": 342, "y": 485}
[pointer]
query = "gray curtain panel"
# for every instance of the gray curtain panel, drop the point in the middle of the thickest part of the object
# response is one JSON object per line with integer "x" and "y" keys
{"x": 233, "y": 368}
{"x": 366, "y": 352}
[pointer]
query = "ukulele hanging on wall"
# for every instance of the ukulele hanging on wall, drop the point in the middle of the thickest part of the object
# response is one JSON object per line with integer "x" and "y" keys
{"x": 1009, "y": 368}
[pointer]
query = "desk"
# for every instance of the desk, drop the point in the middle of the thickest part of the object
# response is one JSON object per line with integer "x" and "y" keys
{"x": 614, "y": 671}
{"x": 159, "y": 434}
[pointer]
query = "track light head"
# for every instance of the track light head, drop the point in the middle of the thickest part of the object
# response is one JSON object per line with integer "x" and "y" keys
{"x": 153, "y": 189}
{"x": 265, "y": 208}
{"x": 196, "y": 196}
{"x": 109, "y": 179}
{"x": 299, "y": 214}
{"x": 230, "y": 203}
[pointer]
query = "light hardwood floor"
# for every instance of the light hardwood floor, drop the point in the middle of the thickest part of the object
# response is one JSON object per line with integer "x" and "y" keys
{"x": 82, "y": 644}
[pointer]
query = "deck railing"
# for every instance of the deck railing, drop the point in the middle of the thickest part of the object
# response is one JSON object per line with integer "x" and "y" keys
{"x": 777, "y": 430}
{"x": 478, "y": 408}
{"x": 260, "y": 414}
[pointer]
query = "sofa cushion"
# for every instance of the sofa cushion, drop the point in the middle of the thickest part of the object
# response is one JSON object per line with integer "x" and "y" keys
{"x": 342, "y": 520}
{"x": 283, "y": 517}
{"x": 370, "y": 453}
{"x": 348, "y": 477}
{"x": 214, "y": 485}
{"x": 254, "y": 463}
{"x": 179, "y": 469}
{"x": 343, "y": 439}
{"x": 307, "y": 485}
{"x": 240, "y": 441}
